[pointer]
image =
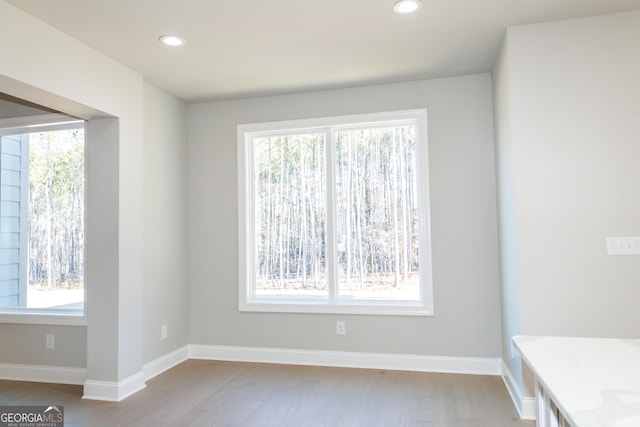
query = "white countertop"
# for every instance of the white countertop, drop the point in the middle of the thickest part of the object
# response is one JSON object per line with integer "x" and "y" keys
{"x": 593, "y": 381}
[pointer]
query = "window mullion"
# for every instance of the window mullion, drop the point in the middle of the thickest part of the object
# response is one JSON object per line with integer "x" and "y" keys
{"x": 331, "y": 249}
{"x": 251, "y": 217}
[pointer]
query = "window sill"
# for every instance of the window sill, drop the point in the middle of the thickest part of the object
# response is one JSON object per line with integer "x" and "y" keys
{"x": 344, "y": 308}
{"x": 43, "y": 317}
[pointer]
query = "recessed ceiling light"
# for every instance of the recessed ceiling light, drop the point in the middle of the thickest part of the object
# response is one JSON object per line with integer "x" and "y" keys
{"x": 171, "y": 40}
{"x": 406, "y": 6}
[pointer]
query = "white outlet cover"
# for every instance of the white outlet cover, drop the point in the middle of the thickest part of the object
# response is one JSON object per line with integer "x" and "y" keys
{"x": 623, "y": 245}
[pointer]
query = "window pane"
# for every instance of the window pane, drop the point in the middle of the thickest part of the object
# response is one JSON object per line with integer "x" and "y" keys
{"x": 42, "y": 220}
{"x": 377, "y": 214}
{"x": 347, "y": 233}
{"x": 290, "y": 209}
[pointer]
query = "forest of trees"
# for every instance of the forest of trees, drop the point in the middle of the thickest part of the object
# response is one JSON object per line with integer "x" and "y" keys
{"x": 376, "y": 209}
{"x": 56, "y": 209}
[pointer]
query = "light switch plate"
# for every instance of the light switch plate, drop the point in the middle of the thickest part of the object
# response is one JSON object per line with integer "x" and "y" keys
{"x": 623, "y": 245}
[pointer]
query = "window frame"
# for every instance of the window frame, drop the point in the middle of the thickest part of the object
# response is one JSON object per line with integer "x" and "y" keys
{"x": 44, "y": 315}
{"x": 247, "y": 302}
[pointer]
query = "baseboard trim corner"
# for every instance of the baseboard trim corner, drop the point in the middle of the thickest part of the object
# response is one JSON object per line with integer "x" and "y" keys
{"x": 166, "y": 362}
{"x": 114, "y": 391}
{"x": 526, "y": 406}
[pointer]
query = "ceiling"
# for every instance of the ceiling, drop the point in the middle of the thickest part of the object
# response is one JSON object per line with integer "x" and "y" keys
{"x": 243, "y": 48}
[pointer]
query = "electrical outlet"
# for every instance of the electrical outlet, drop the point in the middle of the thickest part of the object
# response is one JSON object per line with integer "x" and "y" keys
{"x": 341, "y": 327}
{"x": 163, "y": 332}
{"x": 623, "y": 245}
{"x": 50, "y": 342}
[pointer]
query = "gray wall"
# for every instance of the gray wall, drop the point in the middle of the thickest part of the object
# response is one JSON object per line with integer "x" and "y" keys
{"x": 165, "y": 254}
{"x": 463, "y": 222}
{"x": 88, "y": 85}
{"x": 136, "y": 225}
{"x": 165, "y": 233}
{"x": 571, "y": 138}
{"x": 27, "y": 345}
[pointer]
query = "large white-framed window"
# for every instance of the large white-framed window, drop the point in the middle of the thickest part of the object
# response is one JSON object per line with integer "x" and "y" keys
{"x": 334, "y": 215}
{"x": 42, "y": 212}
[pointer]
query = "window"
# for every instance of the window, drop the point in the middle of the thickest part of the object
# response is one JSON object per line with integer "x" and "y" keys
{"x": 334, "y": 215}
{"x": 42, "y": 217}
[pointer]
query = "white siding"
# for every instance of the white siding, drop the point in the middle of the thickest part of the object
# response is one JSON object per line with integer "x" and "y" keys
{"x": 13, "y": 220}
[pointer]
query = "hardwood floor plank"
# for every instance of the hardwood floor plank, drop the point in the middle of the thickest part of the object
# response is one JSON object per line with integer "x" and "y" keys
{"x": 226, "y": 394}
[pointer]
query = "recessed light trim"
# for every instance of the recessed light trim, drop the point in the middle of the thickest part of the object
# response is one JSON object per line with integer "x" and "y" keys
{"x": 403, "y": 7}
{"x": 170, "y": 40}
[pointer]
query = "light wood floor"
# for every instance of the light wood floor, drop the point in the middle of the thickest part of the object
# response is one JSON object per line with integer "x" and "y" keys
{"x": 210, "y": 393}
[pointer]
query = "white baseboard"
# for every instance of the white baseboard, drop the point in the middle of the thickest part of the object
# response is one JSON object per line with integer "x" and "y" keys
{"x": 166, "y": 362}
{"x": 114, "y": 391}
{"x": 401, "y": 362}
{"x": 117, "y": 391}
{"x": 526, "y": 406}
{"x": 43, "y": 374}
